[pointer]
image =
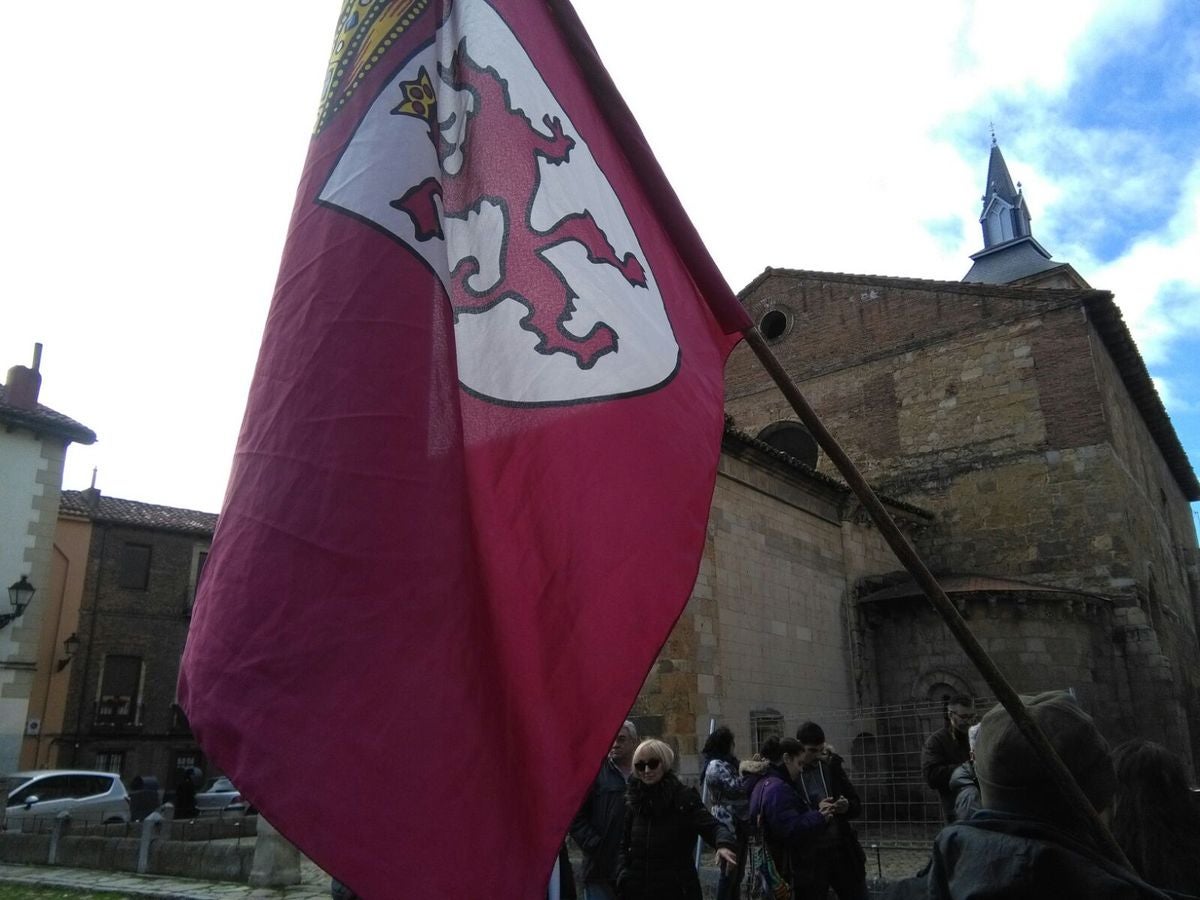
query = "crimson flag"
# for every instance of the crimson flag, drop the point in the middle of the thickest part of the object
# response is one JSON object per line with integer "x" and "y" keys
{"x": 469, "y": 497}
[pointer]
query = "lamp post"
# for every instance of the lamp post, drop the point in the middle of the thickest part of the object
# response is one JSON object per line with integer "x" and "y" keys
{"x": 19, "y": 595}
{"x": 70, "y": 648}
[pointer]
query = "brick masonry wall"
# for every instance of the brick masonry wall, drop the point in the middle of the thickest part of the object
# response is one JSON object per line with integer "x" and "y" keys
{"x": 151, "y": 624}
{"x": 916, "y": 380}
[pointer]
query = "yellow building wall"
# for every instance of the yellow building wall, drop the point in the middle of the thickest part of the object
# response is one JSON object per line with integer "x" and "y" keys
{"x": 60, "y": 619}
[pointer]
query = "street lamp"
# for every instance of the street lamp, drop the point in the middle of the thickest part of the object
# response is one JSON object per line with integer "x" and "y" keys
{"x": 70, "y": 647}
{"x": 19, "y": 595}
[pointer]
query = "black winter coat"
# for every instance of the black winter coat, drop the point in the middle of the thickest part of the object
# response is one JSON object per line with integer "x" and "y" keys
{"x": 662, "y": 822}
{"x": 944, "y": 751}
{"x": 1000, "y": 856}
{"x": 597, "y": 825}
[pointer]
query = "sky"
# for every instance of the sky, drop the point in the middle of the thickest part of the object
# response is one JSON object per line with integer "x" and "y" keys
{"x": 152, "y": 160}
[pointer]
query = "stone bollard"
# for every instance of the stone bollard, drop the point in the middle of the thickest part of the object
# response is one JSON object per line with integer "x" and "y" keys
{"x": 62, "y": 825}
{"x": 152, "y": 830}
{"x": 276, "y": 861}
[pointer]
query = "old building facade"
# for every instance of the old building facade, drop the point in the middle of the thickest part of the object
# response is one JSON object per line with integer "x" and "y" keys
{"x": 33, "y": 448}
{"x": 1011, "y": 419}
{"x": 140, "y": 570}
{"x": 1021, "y": 416}
{"x": 767, "y": 639}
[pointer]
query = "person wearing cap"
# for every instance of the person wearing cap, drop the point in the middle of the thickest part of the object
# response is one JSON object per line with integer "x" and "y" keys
{"x": 598, "y": 825}
{"x": 1028, "y": 841}
{"x": 947, "y": 749}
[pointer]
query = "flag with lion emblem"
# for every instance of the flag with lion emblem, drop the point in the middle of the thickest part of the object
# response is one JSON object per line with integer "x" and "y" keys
{"x": 469, "y": 497}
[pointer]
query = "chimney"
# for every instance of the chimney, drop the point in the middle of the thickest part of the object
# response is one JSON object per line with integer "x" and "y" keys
{"x": 24, "y": 384}
{"x": 92, "y": 495}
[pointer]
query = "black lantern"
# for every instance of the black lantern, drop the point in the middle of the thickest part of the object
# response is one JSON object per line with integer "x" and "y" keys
{"x": 70, "y": 648}
{"x": 19, "y": 595}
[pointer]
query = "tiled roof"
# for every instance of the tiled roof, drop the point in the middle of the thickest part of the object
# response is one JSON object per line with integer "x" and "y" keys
{"x": 1004, "y": 263}
{"x": 1049, "y": 296}
{"x": 133, "y": 512}
{"x": 43, "y": 419}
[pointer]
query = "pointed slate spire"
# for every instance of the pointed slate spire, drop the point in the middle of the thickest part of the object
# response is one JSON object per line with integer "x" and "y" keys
{"x": 1005, "y": 216}
{"x": 999, "y": 182}
{"x": 1009, "y": 252}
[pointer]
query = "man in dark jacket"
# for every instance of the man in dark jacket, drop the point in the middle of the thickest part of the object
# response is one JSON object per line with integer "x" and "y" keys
{"x": 598, "y": 825}
{"x": 1027, "y": 842}
{"x": 947, "y": 749}
{"x": 835, "y": 858}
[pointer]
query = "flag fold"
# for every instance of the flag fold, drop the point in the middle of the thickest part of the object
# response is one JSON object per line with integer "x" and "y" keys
{"x": 470, "y": 493}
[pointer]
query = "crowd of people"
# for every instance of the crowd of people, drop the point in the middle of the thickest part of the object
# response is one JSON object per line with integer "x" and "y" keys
{"x": 639, "y": 825}
{"x": 1009, "y": 831}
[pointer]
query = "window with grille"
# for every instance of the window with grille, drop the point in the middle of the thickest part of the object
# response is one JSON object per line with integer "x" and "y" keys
{"x": 110, "y": 761}
{"x": 120, "y": 691}
{"x": 764, "y": 723}
{"x": 188, "y": 759}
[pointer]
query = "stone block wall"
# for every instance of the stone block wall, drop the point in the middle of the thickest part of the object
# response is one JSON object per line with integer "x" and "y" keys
{"x": 918, "y": 380}
{"x": 766, "y": 626}
{"x": 1040, "y": 642}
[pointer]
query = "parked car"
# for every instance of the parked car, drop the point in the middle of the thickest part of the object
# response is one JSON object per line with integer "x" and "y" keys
{"x": 88, "y": 796}
{"x": 220, "y": 797}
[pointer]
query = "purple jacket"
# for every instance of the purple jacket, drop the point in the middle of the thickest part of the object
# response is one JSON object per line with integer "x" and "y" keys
{"x": 787, "y": 821}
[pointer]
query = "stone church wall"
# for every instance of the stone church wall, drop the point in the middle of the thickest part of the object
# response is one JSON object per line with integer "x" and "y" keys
{"x": 766, "y": 628}
{"x": 1040, "y": 642}
{"x": 1002, "y": 412}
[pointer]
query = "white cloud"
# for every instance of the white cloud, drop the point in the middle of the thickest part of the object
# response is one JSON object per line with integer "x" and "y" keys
{"x": 149, "y": 191}
{"x": 1157, "y": 283}
{"x": 1172, "y": 399}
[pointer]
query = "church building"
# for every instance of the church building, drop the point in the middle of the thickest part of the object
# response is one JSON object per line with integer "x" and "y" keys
{"x": 1011, "y": 421}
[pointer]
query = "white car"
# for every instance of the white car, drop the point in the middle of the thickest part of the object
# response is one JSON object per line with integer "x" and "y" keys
{"x": 221, "y": 798}
{"x": 88, "y": 796}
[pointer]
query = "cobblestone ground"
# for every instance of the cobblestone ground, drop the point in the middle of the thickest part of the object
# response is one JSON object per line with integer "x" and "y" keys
{"x": 892, "y": 862}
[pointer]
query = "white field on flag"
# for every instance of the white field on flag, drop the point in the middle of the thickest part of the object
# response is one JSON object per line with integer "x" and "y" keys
{"x": 496, "y": 356}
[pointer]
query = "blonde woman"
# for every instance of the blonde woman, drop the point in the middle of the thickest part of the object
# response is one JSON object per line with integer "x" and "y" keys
{"x": 663, "y": 818}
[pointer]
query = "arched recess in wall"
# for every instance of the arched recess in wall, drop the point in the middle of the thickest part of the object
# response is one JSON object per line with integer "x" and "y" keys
{"x": 933, "y": 691}
{"x": 793, "y": 439}
{"x": 939, "y": 685}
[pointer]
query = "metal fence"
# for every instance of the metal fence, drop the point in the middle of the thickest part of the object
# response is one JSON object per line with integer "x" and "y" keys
{"x": 881, "y": 747}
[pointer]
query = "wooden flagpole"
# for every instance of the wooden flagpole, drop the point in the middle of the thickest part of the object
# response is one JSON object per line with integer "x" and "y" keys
{"x": 712, "y": 284}
{"x": 916, "y": 567}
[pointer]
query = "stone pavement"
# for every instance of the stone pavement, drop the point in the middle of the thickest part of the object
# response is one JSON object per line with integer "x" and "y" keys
{"x": 314, "y": 884}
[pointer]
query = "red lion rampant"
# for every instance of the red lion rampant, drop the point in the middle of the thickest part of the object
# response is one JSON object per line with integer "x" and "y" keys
{"x": 502, "y": 168}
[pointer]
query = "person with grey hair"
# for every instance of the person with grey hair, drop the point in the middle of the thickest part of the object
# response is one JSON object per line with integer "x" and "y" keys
{"x": 1028, "y": 841}
{"x": 598, "y": 825}
{"x": 963, "y": 783}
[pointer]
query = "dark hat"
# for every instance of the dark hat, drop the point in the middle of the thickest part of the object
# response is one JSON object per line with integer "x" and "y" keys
{"x": 1013, "y": 778}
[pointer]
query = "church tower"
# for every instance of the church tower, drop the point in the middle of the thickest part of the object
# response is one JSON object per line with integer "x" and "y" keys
{"x": 1010, "y": 254}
